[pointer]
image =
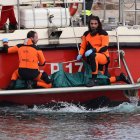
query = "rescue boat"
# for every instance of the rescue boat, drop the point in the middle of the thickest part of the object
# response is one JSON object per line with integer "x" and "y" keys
{"x": 59, "y": 39}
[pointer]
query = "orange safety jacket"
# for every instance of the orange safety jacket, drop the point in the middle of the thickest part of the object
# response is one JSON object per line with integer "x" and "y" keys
{"x": 29, "y": 55}
{"x": 99, "y": 41}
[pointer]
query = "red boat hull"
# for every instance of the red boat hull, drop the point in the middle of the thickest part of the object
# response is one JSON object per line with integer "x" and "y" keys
{"x": 81, "y": 97}
{"x": 9, "y": 62}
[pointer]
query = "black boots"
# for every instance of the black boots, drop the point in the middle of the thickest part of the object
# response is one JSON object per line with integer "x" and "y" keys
{"x": 46, "y": 78}
{"x": 92, "y": 82}
{"x": 31, "y": 84}
{"x": 12, "y": 26}
{"x": 124, "y": 78}
{"x": 11, "y": 85}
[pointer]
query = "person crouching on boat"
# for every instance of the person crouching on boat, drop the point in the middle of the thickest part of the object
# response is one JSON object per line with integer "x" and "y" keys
{"x": 94, "y": 45}
{"x": 29, "y": 55}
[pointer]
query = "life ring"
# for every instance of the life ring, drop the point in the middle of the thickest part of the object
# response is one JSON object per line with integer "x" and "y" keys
{"x": 73, "y": 8}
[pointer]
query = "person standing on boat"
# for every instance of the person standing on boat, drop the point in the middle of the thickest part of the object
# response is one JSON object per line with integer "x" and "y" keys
{"x": 94, "y": 45}
{"x": 7, "y": 12}
{"x": 29, "y": 55}
{"x": 87, "y": 11}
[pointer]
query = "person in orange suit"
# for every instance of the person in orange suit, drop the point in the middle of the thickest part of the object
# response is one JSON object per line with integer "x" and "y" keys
{"x": 94, "y": 45}
{"x": 29, "y": 56}
{"x": 7, "y": 12}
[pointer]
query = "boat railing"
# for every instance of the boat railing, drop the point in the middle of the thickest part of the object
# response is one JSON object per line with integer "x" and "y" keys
{"x": 123, "y": 87}
{"x": 14, "y": 2}
{"x": 132, "y": 8}
{"x": 126, "y": 12}
{"x": 118, "y": 47}
{"x": 39, "y": 3}
{"x": 113, "y": 35}
{"x": 121, "y": 57}
{"x": 124, "y": 21}
{"x": 126, "y": 67}
{"x": 121, "y": 54}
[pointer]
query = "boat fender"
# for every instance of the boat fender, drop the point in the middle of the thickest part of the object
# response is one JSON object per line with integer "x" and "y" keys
{"x": 73, "y": 8}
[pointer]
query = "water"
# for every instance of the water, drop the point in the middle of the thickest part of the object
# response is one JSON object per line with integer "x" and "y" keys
{"x": 70, "y": 123}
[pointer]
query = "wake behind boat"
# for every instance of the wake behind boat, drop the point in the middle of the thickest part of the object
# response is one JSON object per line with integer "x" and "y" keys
{"x": 59, "y": 39}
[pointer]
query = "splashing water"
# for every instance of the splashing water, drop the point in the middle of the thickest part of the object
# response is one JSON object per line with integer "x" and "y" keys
{"x": 67, "y": 107}
{"x": 126, "y": 108}
{"x": 72, "y": 108}
{"x": 134, "y": 100}
{"x": 70, "y": 122}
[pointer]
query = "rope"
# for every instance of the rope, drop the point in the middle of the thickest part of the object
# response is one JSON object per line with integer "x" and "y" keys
{"x": 73, "y": 31}
{"x": 62, "y": 62}
{"x": 66, "y": 4}
{"x": 114, "y": 3}
{"x": 129, "y": 2}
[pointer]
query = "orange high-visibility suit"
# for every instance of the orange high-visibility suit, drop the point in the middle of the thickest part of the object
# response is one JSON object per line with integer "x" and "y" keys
{"x": 29, "y": 56}
{"x": 99, "y": 43}
{"x": 100, "y": 56}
